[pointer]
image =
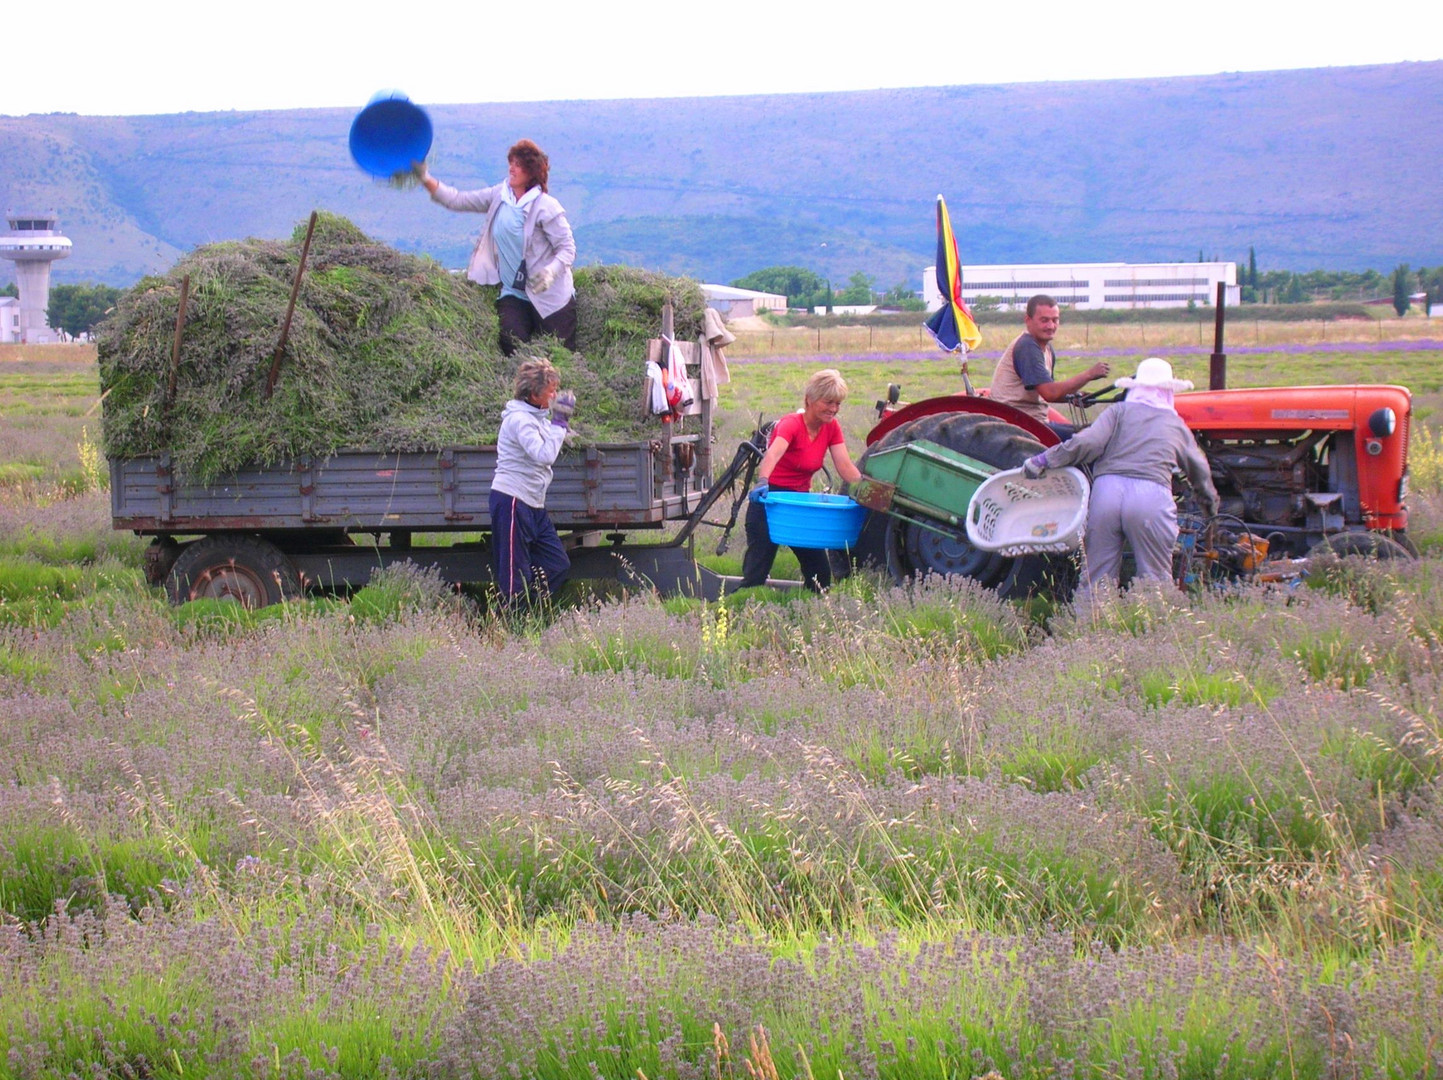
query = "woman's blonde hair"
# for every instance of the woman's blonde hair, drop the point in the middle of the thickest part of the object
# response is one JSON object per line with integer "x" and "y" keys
{"x": 826, "y": 385}
{"x": 534, "y": 376}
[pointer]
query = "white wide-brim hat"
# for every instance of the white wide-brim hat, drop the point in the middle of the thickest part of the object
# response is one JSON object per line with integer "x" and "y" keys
{"x": 1154, "y": 371}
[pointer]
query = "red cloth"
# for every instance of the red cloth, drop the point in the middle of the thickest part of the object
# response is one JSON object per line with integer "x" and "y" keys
{"x": 804, "y": 455}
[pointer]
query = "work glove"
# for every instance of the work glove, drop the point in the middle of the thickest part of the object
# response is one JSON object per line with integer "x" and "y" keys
{"x": 759, "y": 492}
{"x": 1034, "y": 466}
{"x": 562, "y": 408}
{"x": 543, "y": 279}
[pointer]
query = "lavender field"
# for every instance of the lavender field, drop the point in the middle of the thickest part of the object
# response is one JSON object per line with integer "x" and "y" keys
{"x": 882, "y": 833}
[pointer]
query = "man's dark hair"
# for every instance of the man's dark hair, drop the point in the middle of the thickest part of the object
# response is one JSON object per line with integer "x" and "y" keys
{"x": 531, "y": 158}
{"x": 1040, "y": 300}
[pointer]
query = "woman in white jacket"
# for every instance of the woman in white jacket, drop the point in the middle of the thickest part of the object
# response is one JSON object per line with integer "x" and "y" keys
{"x": 526, "y": 247}
{"x": 527, "y": 558}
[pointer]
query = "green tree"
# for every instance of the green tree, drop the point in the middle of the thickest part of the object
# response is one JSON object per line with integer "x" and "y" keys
{"x": 77, "y": 309}
{"x": 802, "y": 288}
{"x": 1432, "y": 283}
{"x": 1402, "y": 288}
{"x": 1290, "y": 289}
{"x": 858, "y": 290}
{"x": 1253, "y": 268}
{"x": 10, "y": 289}
{"x": 903, "y": 297}
{"x": 1271, "y": 285}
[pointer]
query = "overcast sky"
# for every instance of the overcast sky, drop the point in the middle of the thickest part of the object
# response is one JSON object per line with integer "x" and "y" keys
{"x": 162, "y": 56}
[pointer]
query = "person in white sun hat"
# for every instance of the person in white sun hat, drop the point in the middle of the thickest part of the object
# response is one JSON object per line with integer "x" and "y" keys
{"x": 1132, "y": 448}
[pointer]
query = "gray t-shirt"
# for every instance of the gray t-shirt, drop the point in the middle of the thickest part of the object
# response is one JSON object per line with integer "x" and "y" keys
{"x": 1030, "y": 362}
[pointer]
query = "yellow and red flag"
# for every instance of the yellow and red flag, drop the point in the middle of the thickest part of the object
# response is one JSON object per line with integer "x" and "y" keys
{"x": 951, "y": 326}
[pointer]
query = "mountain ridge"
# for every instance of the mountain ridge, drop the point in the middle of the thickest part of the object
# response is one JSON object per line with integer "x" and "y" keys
{"x": 1321, "y": 168}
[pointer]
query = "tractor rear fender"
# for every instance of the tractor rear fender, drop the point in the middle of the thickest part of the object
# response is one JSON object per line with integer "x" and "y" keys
{"x": 964, "y": 403}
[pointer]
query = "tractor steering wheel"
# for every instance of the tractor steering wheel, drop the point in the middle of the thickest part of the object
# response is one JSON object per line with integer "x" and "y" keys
{"x": 1106, "y": 396}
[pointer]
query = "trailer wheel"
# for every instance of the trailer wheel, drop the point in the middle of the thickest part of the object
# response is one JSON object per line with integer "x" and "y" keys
{"x": 247, "y": 569}
{"x": 908, "y": 549}
{"x": 1373, "y": 545}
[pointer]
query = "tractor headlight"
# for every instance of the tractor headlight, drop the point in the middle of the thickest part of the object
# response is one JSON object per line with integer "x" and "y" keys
{"x": 1383, "y": 422}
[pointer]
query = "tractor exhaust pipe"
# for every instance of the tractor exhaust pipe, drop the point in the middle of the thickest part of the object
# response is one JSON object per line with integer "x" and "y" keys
{"x": 1218, "y": 364}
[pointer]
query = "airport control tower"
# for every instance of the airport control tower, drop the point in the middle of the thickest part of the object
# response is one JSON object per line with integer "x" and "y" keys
{"x": 32, "y": 244}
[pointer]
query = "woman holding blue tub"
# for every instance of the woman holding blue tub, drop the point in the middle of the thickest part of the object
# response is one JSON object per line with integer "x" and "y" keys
{"x": 797, "y": 450}
{"x": 526, "y": 247}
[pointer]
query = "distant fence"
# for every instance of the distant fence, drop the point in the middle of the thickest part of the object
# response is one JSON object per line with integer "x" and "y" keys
{"x": 1079, "y": 333}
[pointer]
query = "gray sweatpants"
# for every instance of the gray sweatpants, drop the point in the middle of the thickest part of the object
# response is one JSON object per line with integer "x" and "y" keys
{"x": 1140, "y": 513}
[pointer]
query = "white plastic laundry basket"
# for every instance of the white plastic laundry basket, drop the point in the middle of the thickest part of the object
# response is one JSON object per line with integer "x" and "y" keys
{"x": 1013, "y": 515}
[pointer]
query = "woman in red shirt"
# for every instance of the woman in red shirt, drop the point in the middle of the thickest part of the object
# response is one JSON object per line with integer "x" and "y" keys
{"x": 798, "y": 448}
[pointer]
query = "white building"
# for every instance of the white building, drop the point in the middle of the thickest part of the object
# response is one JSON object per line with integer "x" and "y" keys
{"x": 734, "y": 303}
{"x": 1092, "y": 285}
{"x": 9, "y": 320}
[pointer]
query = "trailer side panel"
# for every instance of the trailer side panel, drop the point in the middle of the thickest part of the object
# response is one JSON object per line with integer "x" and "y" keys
{"x": 362, "y": 490}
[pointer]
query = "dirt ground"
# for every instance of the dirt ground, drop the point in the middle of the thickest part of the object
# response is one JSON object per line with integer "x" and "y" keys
{"x": 748, "y": 322}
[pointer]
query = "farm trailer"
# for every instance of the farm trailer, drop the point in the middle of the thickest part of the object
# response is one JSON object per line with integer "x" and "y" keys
{"x": 263, "y": 535}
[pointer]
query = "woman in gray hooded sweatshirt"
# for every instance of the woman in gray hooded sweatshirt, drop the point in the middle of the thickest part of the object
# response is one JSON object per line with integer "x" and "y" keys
{"x": 527, "y": 558}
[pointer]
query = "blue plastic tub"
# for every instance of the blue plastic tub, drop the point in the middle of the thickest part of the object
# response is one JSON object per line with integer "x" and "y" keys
{"x": 802, "y": 519}
{"x": 389, "y": 134}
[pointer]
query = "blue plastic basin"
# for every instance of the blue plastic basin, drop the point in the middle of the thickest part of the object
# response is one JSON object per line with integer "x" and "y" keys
{"x": 389, "y": 134}
{"x": 802, "y": 519}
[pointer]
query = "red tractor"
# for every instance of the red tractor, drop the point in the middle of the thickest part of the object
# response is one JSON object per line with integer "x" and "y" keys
{"x": 1300, "y": 470}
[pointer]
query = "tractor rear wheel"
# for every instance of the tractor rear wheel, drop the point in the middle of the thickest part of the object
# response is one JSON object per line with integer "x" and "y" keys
{"x": 247, "y": 569}
{"x": 907, "y": 550}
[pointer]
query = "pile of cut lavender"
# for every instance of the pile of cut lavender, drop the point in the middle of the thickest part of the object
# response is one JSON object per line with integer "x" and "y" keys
{"x": 385, "y": 350}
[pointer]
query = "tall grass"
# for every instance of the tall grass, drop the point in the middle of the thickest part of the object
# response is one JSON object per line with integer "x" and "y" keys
{"x": 882, "y": 832}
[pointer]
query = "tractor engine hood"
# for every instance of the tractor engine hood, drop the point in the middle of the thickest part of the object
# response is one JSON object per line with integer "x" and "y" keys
{"x": 1372, "y": 422}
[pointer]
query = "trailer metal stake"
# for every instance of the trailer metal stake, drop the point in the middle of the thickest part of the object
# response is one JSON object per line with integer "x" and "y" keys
{"x": 290, "y": 308}
{"x": 175, "y": 346}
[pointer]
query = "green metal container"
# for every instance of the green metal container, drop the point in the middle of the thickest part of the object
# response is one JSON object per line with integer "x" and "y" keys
{"x": 922, "y": 482}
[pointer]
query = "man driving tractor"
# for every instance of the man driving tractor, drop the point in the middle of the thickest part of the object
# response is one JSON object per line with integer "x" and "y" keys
{"x": 1025, "y": 375}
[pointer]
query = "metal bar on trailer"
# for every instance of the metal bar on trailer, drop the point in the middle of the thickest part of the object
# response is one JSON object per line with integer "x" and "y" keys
{"x": 175, "y": 346}
{"x": 668, "y": 328}
{"x": 290, "y": 308}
